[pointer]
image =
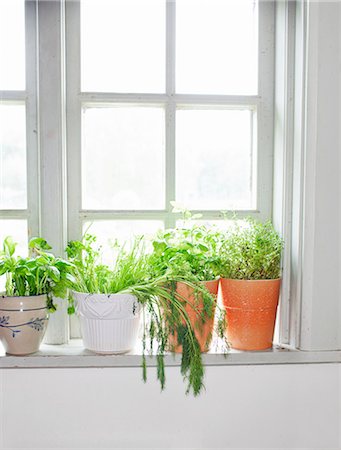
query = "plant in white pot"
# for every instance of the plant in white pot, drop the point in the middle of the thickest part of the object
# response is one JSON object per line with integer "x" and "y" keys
{"x": 31, "y": 283}
{"x": 110, "y": 300}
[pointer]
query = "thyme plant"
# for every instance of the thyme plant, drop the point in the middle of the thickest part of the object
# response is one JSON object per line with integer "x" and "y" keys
{"x": 251, "y": 251}
{"x": 39, "y": 273}
{"x": 164, "y": 312}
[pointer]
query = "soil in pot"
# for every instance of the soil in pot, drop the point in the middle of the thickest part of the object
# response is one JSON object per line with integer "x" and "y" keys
{"x": 203, "y": 328}
{"x": 251, "y": 307}
{"x": 23, "y": 322}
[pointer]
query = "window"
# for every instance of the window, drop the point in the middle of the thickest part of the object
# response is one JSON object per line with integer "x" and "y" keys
{"x": 18, "y": 128}
{"x": 163, "y": 100}
{"x": 167, "y": 100}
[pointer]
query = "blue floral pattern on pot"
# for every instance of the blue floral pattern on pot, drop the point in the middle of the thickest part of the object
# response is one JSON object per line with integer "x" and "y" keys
{"x": 37, "y": 324}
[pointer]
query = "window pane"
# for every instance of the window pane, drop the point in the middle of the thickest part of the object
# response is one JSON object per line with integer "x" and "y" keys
{"x": 216, "y": 46}
{"x": 107, "y": 231}
{"x": 213, "y": 159}
{"x": 123, "y": 158}
{"x": 123, "y": 45}
{"x": 18, "y": 230}
{"x": 12, "y": 157}
{"x": 12, "y": 45}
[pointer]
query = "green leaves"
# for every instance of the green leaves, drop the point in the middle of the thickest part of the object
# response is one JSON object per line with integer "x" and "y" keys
{"x": 191, "y": 250}
{"x": 9, "y": 247}
{"x": 39, "y": 244}
{"x": 41, "y": 273}
{"x": 251, "y": 250}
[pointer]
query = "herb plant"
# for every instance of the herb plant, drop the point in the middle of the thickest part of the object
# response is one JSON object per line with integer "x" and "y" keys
{"x": 164, "y": 312}
{"x": 39, "y": 273}
{"x": 251, "y": 251}
{"x": 192, "y": 251}
{"x": 188, "y": 249}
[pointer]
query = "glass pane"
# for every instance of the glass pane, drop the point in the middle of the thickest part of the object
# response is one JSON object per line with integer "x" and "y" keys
{"x": 123, "y": 45}
{"x": 216, "y": 46}
{"x": 107, "y": 231}
{"x": 12, "y": 157}
{"x": 12, "y": 45}
{"x": 123, "y": 158}
{"x": 18, "y": 230}
{"x": 213, "y": 159}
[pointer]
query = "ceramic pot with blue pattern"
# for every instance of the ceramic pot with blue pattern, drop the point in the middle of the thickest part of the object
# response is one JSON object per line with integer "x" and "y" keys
{"x": 23, "y": 322}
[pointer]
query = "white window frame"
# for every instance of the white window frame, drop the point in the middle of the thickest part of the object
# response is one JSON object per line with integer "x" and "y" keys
{"x": 262, "y": 103}
{"x": 28, "y": 97}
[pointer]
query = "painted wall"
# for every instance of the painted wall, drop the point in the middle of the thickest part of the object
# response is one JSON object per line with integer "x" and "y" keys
{"x": 244, "y": 407}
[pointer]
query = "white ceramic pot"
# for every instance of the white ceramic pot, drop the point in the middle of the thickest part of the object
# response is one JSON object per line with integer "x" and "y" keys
{"x": 23, "y": 322}
{"x": 109, "y": 322}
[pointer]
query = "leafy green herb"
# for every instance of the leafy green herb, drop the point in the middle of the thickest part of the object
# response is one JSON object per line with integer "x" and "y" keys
{"x": 40, "y": 273}
{"x": 251, "y": 250}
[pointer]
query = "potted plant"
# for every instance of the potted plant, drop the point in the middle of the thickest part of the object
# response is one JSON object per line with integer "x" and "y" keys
{"x": 190, "y": 250}
{"x": 110, "y": 299}
{"x": 31, "y": 283}
{"x": 250, "y": 283}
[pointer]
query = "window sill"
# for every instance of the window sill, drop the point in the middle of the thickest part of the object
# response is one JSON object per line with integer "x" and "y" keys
{"x": 73, "y": 355}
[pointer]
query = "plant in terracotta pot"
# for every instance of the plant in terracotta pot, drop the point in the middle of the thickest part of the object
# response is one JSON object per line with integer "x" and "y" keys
{"x": 31, "y": 283}
{"x": 191, "y": 251}
{"x": 250, "y": 283}
{"x": 110, "y": 300}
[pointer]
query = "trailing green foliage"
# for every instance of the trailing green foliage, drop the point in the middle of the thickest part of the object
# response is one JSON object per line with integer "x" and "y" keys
{"x": 251, "y": 250}
{"x": 192, "y": 251}
{"x": 39, "y": 273}
{"x": 164, "y": 313}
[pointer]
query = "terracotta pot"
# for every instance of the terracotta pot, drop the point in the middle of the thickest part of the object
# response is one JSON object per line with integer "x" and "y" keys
{"x": 203, "y": 329}
{"x": 109, "y": 322}
{"x": 251, "y": 307}
{"x": 23, "y": 322}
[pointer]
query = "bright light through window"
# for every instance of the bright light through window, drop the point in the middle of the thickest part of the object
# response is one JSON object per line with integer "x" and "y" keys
{"x": 12, "y": 156}
{"x": 216, "y": 46}
{"x": 123, "y": 158}
{"x": 123, "y": 45}
{"x": 12, "y": 45}
{"x": 214, "y": 159}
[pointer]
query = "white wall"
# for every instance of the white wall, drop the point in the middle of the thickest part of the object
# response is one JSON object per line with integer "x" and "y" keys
{"x": 262, "y": 407}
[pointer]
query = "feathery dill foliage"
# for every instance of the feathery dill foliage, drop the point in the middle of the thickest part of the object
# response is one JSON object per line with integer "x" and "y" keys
{"x": 132, "y": 272}
{"x": 129, "y": 267}
{"x": 251, "y": 251}
{"x": 39, "y": 273}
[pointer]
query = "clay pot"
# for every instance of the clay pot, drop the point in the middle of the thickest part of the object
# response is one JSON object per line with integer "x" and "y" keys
{"x": 251, "y": 307}
{"x": 23, "y": 322}
{"x": 109, "y": 322}
{"x": 203, "y": 329}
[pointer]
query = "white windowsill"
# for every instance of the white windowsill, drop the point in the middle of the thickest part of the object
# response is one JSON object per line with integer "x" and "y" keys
{"x": 73, "y": 355}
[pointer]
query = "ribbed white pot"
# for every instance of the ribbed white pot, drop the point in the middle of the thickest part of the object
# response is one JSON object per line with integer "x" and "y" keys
{"x": 109, "y": 322}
